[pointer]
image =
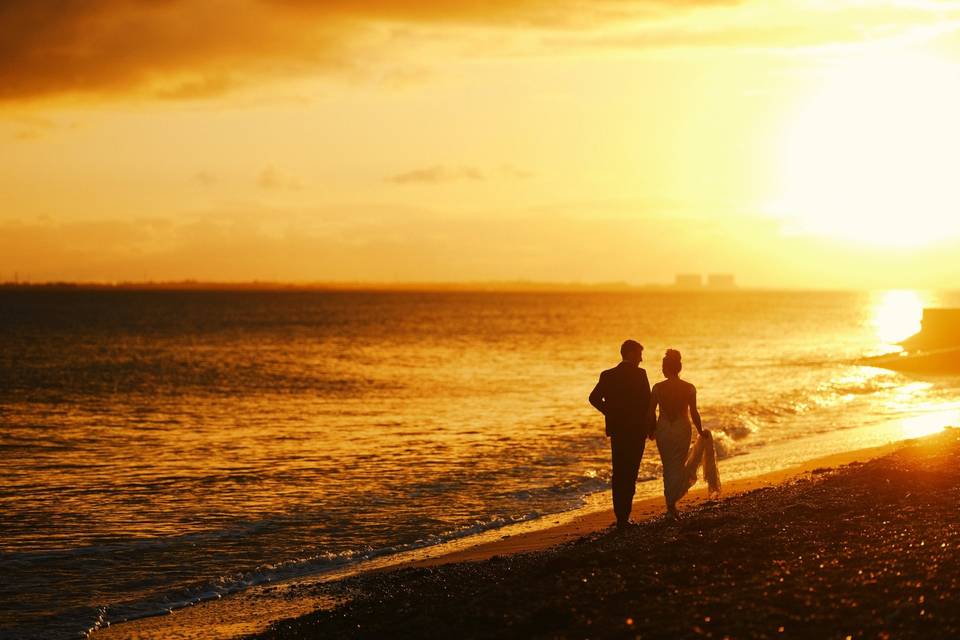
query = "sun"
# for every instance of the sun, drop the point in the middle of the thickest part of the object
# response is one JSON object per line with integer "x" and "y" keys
{"x": 871, "y": 156}
{"x": 897, "y": 315}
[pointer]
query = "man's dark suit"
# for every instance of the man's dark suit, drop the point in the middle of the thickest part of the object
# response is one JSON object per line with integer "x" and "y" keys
{"x": 622, "y": 395}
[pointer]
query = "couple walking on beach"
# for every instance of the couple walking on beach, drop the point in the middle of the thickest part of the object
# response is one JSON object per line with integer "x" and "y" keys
{"x": 633, "y": 412}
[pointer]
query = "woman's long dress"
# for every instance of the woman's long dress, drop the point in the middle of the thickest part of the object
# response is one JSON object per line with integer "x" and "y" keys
{"x": 673, "y": 442}
{"x": 680, "y": 462}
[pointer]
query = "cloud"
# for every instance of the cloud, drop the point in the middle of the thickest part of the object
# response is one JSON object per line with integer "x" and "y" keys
{"x": 272, "y": 178}
{"x": 182, "y": 49}
{"x": 191, "y": 49}
{"x": 776, "y": 26}
{"x": 517, "y": 173}
{"x": 391, "y": 243}
{"x": 437, "y": 174}
{"x": 28, "y": 134}
{"x": 173, "y": 48}
{"x": 441, "y": 174}
{"x": 205, "y": 178}
{"x": 35, "y": 127}
{"x": 551, "y": 14}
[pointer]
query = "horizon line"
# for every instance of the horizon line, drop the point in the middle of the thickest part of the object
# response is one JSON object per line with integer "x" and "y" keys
{"x": 424, "y": 286}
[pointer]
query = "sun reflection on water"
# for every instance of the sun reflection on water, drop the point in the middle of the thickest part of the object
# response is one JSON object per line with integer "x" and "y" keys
{"x": 897, "y": 315}
{"x": 927, "y": 416}
{"x": 925, "y": 424}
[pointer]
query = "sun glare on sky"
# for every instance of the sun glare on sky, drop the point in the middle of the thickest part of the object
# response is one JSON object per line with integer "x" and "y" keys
{"x": 871, "y": 157}
{"x": 792, "y": 143}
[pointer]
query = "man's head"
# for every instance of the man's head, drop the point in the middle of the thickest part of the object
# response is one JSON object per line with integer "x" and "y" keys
{"x": 632, "y": 351}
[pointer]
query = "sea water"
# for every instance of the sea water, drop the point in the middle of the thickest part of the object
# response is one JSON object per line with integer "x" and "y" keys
{"x": 159, "y": 448}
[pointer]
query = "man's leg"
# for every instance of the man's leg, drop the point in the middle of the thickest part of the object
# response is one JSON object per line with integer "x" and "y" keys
{"x": 617, "y": 478}
{"x": 635, "y": 451}
{"x": 626, "y": 452}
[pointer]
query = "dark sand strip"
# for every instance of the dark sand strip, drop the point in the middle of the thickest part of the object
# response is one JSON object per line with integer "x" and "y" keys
{"x": 252, "y": 611}
{"x": 866, "y": 550}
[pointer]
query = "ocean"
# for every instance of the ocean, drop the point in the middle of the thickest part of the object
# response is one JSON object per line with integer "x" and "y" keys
{"x": 159, "y": 448}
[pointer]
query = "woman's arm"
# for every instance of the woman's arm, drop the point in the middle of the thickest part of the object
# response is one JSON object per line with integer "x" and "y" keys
{"x": 694, "y": 413}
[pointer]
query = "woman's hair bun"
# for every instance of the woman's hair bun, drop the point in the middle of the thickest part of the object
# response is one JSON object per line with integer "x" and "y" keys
{"x": 671, "y": 363}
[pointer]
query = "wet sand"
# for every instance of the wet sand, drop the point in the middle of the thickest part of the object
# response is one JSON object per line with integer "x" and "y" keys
{"x": 717, "y": 572}
{"x": 864, "y": 548}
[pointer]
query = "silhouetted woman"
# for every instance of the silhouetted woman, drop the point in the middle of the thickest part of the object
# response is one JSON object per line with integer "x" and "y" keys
{"x": 677, "y": 400}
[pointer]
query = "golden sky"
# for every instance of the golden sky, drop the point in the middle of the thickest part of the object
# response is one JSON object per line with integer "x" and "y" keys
{"x": 793, "y": 143}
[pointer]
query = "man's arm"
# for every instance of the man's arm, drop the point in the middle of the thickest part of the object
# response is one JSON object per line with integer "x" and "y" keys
{"x": 644, "y": 389}
{"x": 596, "y": 396}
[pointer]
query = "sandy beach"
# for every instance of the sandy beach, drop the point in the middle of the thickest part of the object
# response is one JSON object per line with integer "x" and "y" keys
{"x": 858, "y": 543}
{"x": 862, "y": 550}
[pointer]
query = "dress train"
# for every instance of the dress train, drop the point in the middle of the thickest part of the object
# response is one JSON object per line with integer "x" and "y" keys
{"x": 681, "y": 462}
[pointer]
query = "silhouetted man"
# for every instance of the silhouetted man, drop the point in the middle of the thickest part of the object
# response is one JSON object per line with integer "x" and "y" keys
{"x": 622, "y": 395}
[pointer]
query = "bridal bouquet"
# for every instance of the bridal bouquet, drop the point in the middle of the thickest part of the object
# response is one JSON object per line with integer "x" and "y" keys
{"x": 704, "y": 454}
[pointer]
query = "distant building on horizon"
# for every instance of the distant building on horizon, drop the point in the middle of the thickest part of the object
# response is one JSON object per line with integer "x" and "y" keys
{"x": 721, "y": 281}
{"x": 696, "y": 281}
{"x": 688, "y": 281}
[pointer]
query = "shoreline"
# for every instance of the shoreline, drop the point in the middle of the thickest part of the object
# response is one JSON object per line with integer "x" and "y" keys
{"x": 253, "y": 610}
{"x": 644, "y": 510}
{"x": 865, "y": 550}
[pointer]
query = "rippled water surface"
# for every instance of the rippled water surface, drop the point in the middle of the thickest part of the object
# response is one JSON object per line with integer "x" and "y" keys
{"x": 161, "y": 447}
